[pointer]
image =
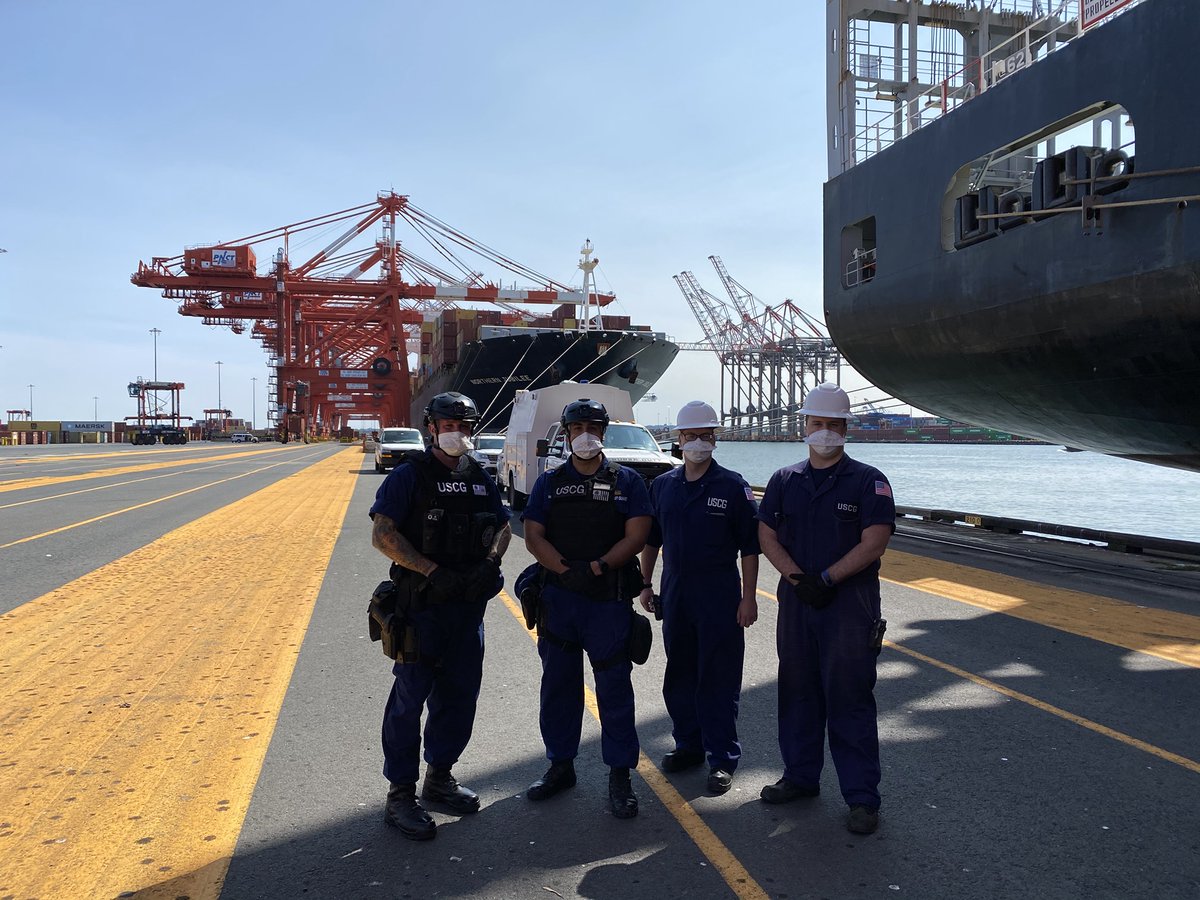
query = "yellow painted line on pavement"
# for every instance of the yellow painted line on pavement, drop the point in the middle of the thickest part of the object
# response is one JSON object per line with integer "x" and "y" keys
{"x": 137, "y": 702}
{"x": 65, "y": 457}
{"x": 22, "y": 484}
{"x": 136, "y": 506}
{"x": 714, "y": 850}
{"x": 101, "y": 487}
{"x": 1157, "y": 632}
{"x": 1042, "y": 705}
{"x": 1167, "y": 755}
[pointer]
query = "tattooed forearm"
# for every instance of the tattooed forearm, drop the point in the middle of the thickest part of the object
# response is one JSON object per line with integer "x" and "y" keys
{"x": 391, "y": 543}
{"x": 500, "y": 544}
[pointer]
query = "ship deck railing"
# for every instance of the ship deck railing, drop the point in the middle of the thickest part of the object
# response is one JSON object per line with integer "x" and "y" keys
{"x": 1022, "y": 50}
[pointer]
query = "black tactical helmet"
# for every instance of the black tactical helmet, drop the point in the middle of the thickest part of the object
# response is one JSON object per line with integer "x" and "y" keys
{"x": 452, "y": 405}
{"x": 585, "y": 410}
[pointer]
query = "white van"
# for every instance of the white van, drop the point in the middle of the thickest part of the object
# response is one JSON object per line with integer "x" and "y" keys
{"x": 243, "y": 437}
{"x": 535, "y": 441}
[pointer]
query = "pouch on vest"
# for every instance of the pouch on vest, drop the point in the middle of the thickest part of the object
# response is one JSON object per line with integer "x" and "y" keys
{"x": 529, "y": 591}
{"x": 432, "y": 530}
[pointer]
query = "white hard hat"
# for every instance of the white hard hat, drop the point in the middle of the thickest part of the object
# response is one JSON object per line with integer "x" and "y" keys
{"x": 827, "y": 400}
{"x": 694, "y": 416}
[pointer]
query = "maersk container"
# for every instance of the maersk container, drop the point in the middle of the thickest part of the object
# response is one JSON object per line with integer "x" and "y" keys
{"x": 220, "y": 260}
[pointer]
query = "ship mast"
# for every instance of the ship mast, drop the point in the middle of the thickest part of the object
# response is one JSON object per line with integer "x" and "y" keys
{"x": 587, "y": 264}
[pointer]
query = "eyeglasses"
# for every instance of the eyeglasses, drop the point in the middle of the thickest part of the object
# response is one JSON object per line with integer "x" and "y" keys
{"x": 687, "y": 436}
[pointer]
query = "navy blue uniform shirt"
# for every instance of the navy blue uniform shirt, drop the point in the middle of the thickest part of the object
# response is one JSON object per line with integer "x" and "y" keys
{"x": 819, "y": 524}
{"x": 629, "y": 494}
{"x": 707, "y": 523}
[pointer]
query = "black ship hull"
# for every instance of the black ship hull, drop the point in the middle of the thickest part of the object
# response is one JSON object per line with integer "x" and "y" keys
{"x": 1069, "y": 331}
{"x": 491, "y": 370}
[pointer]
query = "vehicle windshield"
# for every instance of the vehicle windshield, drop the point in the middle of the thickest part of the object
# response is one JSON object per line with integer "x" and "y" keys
{"x": 400, "y": 436}
{"x": 629, "y": 437}
{"x": 490, "y": 442}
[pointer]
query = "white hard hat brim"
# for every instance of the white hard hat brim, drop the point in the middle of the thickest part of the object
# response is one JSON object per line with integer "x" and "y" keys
{"x": 824, "y": 413}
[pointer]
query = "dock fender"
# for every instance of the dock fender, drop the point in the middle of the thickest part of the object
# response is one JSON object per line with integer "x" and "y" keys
{"x": 382, "y": 366}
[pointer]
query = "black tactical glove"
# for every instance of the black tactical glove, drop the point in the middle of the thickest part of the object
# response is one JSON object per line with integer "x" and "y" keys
{"x": 578, "y": 577}
{"x": 812, "y": 590}
{"x": 482, "y": 577}
{"x": 444, "y": 585}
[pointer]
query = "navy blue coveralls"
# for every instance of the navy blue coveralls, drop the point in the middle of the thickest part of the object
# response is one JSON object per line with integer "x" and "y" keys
{"x": 826, "y": 657}
{"x": 449, "y": 634}
{"x": 599, "y": 627}
{"x": 703, "y": 527}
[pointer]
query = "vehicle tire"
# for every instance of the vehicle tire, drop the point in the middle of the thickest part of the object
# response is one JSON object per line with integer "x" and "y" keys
{"x": 379, "y": 468}
{"x": 382, "y": 367}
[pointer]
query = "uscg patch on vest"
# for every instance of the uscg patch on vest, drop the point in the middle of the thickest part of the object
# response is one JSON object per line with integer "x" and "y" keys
{"x": 718, "y": 502}
{"x": 848, "y": 507}
{"x": 452, "y": 487}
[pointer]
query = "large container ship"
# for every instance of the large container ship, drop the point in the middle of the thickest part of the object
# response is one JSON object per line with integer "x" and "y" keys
{"x": 489, "y": 354}
{"x": 1011, "y": 231}
{"x": 473, "y": 351}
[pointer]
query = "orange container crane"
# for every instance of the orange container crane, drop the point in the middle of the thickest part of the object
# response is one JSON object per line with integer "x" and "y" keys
{"x": 339, "y": 327}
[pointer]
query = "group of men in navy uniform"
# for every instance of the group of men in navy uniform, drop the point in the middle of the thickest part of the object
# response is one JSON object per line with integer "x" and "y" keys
{"x": 596, "y": 533}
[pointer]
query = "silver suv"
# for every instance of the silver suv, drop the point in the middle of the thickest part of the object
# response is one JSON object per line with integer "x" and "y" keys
{"x": 488, "y": 448}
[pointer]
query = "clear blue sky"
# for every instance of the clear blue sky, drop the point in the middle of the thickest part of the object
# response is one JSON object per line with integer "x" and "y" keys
{"x": 662, "y": 131}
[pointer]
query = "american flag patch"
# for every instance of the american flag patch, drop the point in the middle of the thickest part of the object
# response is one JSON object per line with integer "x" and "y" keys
{"x": 481, "y": 490}
{"x": 749, "y": 494}
{"x": 882, "y": 487}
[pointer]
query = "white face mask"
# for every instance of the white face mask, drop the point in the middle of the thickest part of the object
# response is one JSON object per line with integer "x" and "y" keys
{"x": 587, "y": 446}
{"x": 826, "y": 442}
{"x": 698, "y": 451}
{"x": 454, "y": 443}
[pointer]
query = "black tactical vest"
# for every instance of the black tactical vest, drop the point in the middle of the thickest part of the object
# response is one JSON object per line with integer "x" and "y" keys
{"x": 451, "y": 521}
{"x": 582, "y": 521}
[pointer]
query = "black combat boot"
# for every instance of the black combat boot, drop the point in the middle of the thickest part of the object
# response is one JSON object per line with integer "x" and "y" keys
{"x": 442, "y": 787}
{"x": 621, "y": 799}
{"x": 559, "y": 777}
{"x": 405, "y": 813}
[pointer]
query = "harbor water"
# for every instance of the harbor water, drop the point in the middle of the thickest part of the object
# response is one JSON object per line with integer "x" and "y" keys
{"x": 1037, "y": 482}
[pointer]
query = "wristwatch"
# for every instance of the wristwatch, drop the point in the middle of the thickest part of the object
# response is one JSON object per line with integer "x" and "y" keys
{"x": 603, "y": 564}
{"x": 647, "y": 586}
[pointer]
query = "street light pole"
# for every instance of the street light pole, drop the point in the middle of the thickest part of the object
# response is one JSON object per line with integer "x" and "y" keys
{"x": 154, "y": 394}
{"x": 95, "y": 408}
{"x": 253, "y": 401}
{"x": 31, "y": 387}
{"x": 156, "y": 332}
{"x": 220, "y": 408}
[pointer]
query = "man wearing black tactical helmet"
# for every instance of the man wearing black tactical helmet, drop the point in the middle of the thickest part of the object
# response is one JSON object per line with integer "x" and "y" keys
{"x": 440, "y": 520}
{"x": 585, "y": 523}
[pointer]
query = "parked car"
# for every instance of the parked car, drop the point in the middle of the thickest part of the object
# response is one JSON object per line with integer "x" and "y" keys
{"x": 393, "y": 443}
{"x": 243, "y": 437}
{"x": 487, "y": 451}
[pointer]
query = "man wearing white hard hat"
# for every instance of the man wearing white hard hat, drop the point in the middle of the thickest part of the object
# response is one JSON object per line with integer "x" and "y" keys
{"x": 704, "y": 520}
{"x": 824, "y": 523}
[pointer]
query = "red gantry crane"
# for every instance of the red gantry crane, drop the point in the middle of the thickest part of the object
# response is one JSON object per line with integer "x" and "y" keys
{"x": 767, "y": 353}
{"x": 339, "y": 326}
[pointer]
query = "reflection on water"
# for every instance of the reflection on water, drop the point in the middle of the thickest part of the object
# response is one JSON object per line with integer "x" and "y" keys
{"x": 1024, "y": 482}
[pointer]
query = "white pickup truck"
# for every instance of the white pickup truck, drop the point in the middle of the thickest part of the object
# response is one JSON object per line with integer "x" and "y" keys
{"x": 535, "y": 442}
